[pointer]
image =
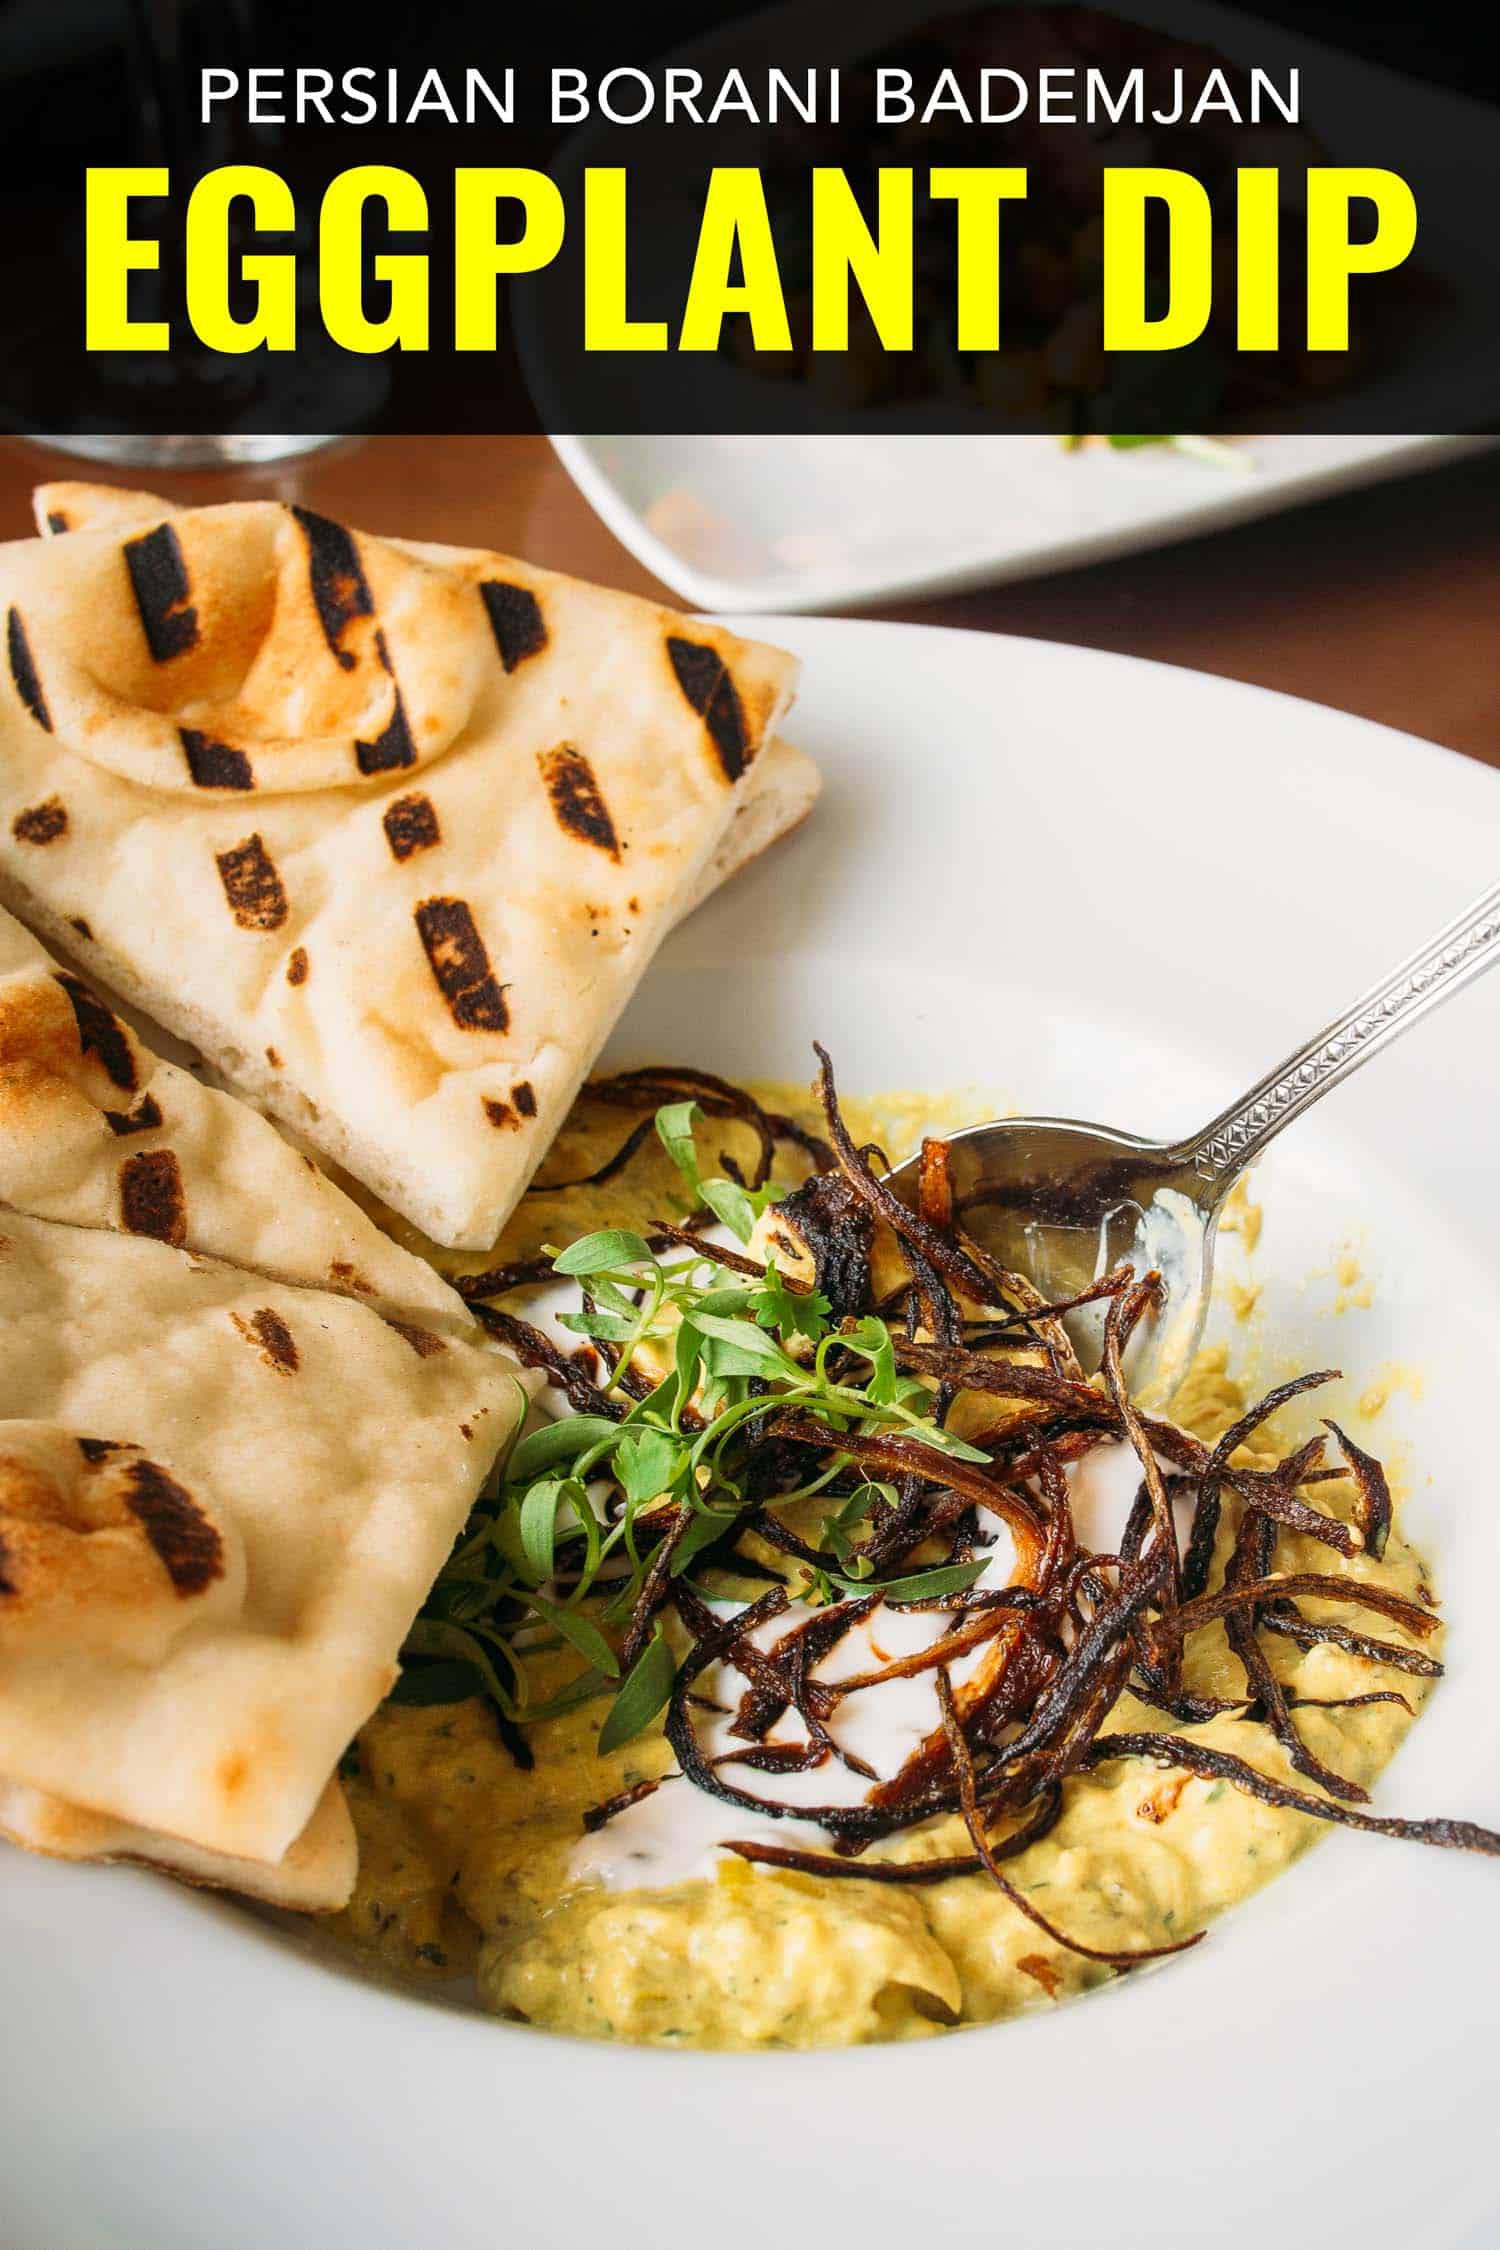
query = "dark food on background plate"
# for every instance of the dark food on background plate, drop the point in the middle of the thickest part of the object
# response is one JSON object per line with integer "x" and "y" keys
{"x": 1052, "y": 365}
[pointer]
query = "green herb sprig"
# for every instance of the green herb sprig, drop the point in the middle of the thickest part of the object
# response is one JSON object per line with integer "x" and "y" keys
{"x": 732, "y": 1203}
{"x": 558, "y": 1550}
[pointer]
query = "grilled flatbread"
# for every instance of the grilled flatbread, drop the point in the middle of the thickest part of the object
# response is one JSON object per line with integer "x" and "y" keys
{"x": 239, "y": 1430}
{"x": 66, "y": 506}
{"x": 775, "y": 796}
{"x": 313, "y": 1876}
{"x": 99, "y": 1131}
{"x": 388, "y": 832}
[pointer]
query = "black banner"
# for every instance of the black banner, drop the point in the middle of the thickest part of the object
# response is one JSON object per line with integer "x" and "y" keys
{"x": 815, "y": 218}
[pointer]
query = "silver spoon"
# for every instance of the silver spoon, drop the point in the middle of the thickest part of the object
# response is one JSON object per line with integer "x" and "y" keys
{"x": 1062, "y": 1202}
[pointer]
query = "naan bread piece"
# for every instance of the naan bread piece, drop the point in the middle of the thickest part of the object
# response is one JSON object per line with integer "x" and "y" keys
{"x": 314, "y": 1876}
{"x": 389, "y": 838}
{"x": 222, "y": 1500}
{"x": 97, "y": 1130}
{"x": 70, "y": 506}
{"x": 239, "y": 1430}
{"x": 776, "y": 795}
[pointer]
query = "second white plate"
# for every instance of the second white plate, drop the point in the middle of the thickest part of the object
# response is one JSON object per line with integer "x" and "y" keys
{"x": 783, "y": 523}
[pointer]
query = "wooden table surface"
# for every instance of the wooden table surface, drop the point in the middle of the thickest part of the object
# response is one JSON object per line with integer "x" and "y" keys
{"x": 1384, "y": 602}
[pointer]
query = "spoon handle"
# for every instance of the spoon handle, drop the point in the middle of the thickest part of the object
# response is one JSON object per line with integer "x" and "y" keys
{"x": 1437, "y": 970}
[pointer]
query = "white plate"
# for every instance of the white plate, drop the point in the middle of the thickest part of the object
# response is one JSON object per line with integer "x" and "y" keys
{"x": 1135, "y": 886}
{"x": 805, "y": 523}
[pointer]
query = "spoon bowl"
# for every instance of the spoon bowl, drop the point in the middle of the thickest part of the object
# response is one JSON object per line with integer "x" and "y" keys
{"x": 1062, "y": 1202}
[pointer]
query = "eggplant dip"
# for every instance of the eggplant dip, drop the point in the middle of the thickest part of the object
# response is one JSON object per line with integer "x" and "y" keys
{"x": 833, "y": 1662}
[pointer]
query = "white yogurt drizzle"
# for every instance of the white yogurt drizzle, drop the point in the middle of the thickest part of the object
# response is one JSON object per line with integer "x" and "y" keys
{"x": 1170, "y": 1238}
{"x": 676, "y": 1833}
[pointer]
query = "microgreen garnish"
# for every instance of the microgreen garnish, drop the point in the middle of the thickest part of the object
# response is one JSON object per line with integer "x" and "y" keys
{"x": 598, "y": 1253}
{"x": 732, "y": 1203}
{"x": 725, "y": 1354}
{"x": 647, "y": 1687}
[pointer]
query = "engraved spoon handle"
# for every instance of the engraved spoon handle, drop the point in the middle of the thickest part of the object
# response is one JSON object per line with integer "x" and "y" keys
{"x": 1461, "y": 952}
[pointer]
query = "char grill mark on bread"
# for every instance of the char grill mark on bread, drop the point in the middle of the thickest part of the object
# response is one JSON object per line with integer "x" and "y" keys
{"x": 577, "y": 799}
{"x": 516, "y": 621}
{"x": 459, "y": 961}
{"x": 144, "y": 1118}
{"x": 163, "y": 593}
{"x": 215, "y": 765}
{"x": 23, "y": 671}
{"x": 341, "y": 593}
{"x": 340, "y": 590}
{"x": 252, "y": 885}
{"x": 97, "y": 1525}
{"x": 41, "y": 824}
{"x": 272, "y": 1338}
{"x": 393, "y": 747}
{"x": 152, "y": 1200}
{"x": 101, "y": 1033}
{"x": 411, "y": 826}
{"x": 704, "y": 679}
{"x": 422, "y": 1340}
{"x": 189, "y": 1548}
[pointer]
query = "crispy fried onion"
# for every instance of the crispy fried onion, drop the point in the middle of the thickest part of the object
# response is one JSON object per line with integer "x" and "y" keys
{"x": 647, "y": 1090}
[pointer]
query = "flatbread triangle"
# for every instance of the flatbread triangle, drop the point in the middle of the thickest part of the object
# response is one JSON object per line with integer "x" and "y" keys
{"x": 389, "y": 833}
